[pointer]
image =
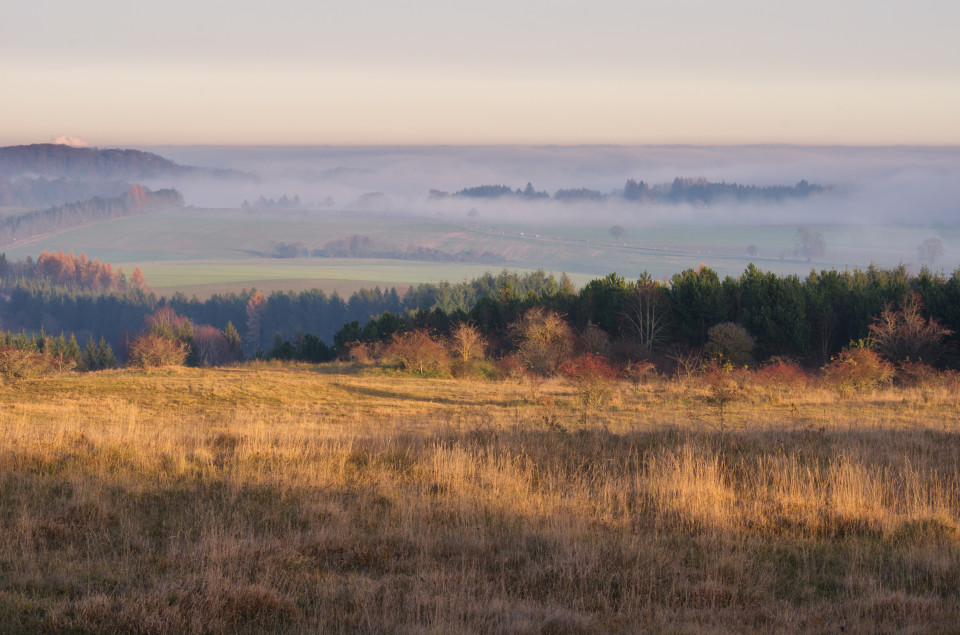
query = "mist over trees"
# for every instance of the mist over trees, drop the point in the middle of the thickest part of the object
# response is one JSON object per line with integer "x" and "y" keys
{"x": 681, "y": 190}
{"x": 136, "y": 200}
{"x": 96, "y": 164}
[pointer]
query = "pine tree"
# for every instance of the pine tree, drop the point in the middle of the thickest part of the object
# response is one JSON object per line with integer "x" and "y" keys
{"x": 234, "y": 342}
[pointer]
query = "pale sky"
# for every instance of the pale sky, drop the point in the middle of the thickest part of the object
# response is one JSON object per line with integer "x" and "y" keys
{"x": 116, "y": 72}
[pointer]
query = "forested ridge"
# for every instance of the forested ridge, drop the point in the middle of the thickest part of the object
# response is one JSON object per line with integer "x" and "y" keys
{"x": 135, "y": 201}
{"x": 99, "y": 164}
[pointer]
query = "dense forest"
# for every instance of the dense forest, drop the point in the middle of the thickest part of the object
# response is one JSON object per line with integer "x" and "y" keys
{"x": 38, "y": 296}
{"x": 135, "y": 201}
{"x": 803, "y": 319}
{"x": 698, "y": 191}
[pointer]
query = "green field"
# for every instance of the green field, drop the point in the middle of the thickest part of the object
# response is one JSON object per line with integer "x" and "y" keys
{"x": 210, "y": 250}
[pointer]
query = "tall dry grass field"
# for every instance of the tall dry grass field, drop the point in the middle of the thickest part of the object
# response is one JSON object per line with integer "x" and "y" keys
{"x": 306, "y": 499}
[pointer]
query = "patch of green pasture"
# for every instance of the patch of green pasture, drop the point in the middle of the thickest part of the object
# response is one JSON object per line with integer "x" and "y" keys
{"x": 364, "y": 272}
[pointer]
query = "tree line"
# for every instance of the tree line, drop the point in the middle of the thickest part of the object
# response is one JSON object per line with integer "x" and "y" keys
{"x": 807, "y": 320}
{"x": 680, "y": 190}
{"x": 136, "y": 200}
{"x": 46, "y": 300}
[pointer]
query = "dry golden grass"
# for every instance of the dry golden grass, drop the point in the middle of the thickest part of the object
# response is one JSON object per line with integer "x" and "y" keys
{"x": 305, "y": 499}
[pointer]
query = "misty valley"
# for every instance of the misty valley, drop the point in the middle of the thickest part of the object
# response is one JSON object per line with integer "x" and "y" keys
{"x": 487, "y": 389}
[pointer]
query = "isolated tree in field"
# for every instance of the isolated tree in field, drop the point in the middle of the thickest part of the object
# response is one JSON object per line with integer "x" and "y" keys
{"x": 618, "y": 232}
{"x": 544, "y": 340}
{"x": 256, "y": 308}
{"x": 903, "y": 333}
{"x": 809, "y": 245}
{"x": 929, "y": 250}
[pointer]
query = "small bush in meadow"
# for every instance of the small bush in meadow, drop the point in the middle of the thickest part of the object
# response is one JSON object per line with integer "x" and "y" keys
{"x": 17, "y": 364}
{"x": 639, "y": 372}
{"x": 857, "y": 368}
{"x": 781, "y": 375}
{"x": 416, "y": 351}
{"x": 510, "y": 367}
{"x": 155, "y": 351}
{"x": 592, "y": 378}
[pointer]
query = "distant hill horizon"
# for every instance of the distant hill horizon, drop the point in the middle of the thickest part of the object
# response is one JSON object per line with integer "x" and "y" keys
{"x": 101, "y": 164}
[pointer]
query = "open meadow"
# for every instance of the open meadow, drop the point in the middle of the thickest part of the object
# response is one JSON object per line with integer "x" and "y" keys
{"x": 338, "y": 498}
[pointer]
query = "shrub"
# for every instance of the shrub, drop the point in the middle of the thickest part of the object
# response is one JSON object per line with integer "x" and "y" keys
{"x": 920, "y": 375}
{"x": 595, "y": 341}
{"x": 153, "y": 351}
{"x": 544, "y": 340}
{"x": 730, "y": 342}
{"x": 17, "y": 364}
{"x": 510, "y": 367}
{"x": 592, "y": 379}
{"x": 416, "y": 351}
{"x": 723, "y": 385}
{"x": 779, "y": 374}
{"x": 857, "y": 368}
{"x": 639, "y": 372}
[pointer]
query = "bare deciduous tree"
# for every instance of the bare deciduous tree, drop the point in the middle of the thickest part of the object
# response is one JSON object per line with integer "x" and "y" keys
{"x": 467, "y": 343}
{"x": 808, "y": 244}
{"x": 904, "y": 334}
{"x": 929, "y": 250}
{"x": 645, "y": 311}
{"x": 544, "y": 340}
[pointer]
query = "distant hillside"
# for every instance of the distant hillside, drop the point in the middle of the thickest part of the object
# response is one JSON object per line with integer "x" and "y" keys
{"x": 109, "y": 164}
{"x": 136, "y": 200}
{"x": 42, "y": 192}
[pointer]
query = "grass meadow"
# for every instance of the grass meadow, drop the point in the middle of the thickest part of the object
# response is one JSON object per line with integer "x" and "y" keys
{"x": 340, "y": 498}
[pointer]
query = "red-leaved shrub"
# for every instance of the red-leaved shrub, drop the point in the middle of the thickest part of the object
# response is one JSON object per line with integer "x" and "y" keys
{"x": 857, "y": 368}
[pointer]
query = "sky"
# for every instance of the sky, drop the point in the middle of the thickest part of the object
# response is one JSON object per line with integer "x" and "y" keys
{"x": 375, "y": 72}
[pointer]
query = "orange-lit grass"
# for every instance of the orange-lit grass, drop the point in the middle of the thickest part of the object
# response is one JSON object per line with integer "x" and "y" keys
{"x": 318, "y": 498}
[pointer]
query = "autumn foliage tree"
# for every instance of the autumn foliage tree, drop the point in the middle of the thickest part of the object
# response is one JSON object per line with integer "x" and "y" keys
{"x": 416, "y": 351}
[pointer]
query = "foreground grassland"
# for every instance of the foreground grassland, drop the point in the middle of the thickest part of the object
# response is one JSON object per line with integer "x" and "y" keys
{"x": 326, "y": 499}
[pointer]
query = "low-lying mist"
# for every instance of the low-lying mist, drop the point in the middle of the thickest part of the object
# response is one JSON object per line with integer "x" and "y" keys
{"x": 873, "y": 186}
